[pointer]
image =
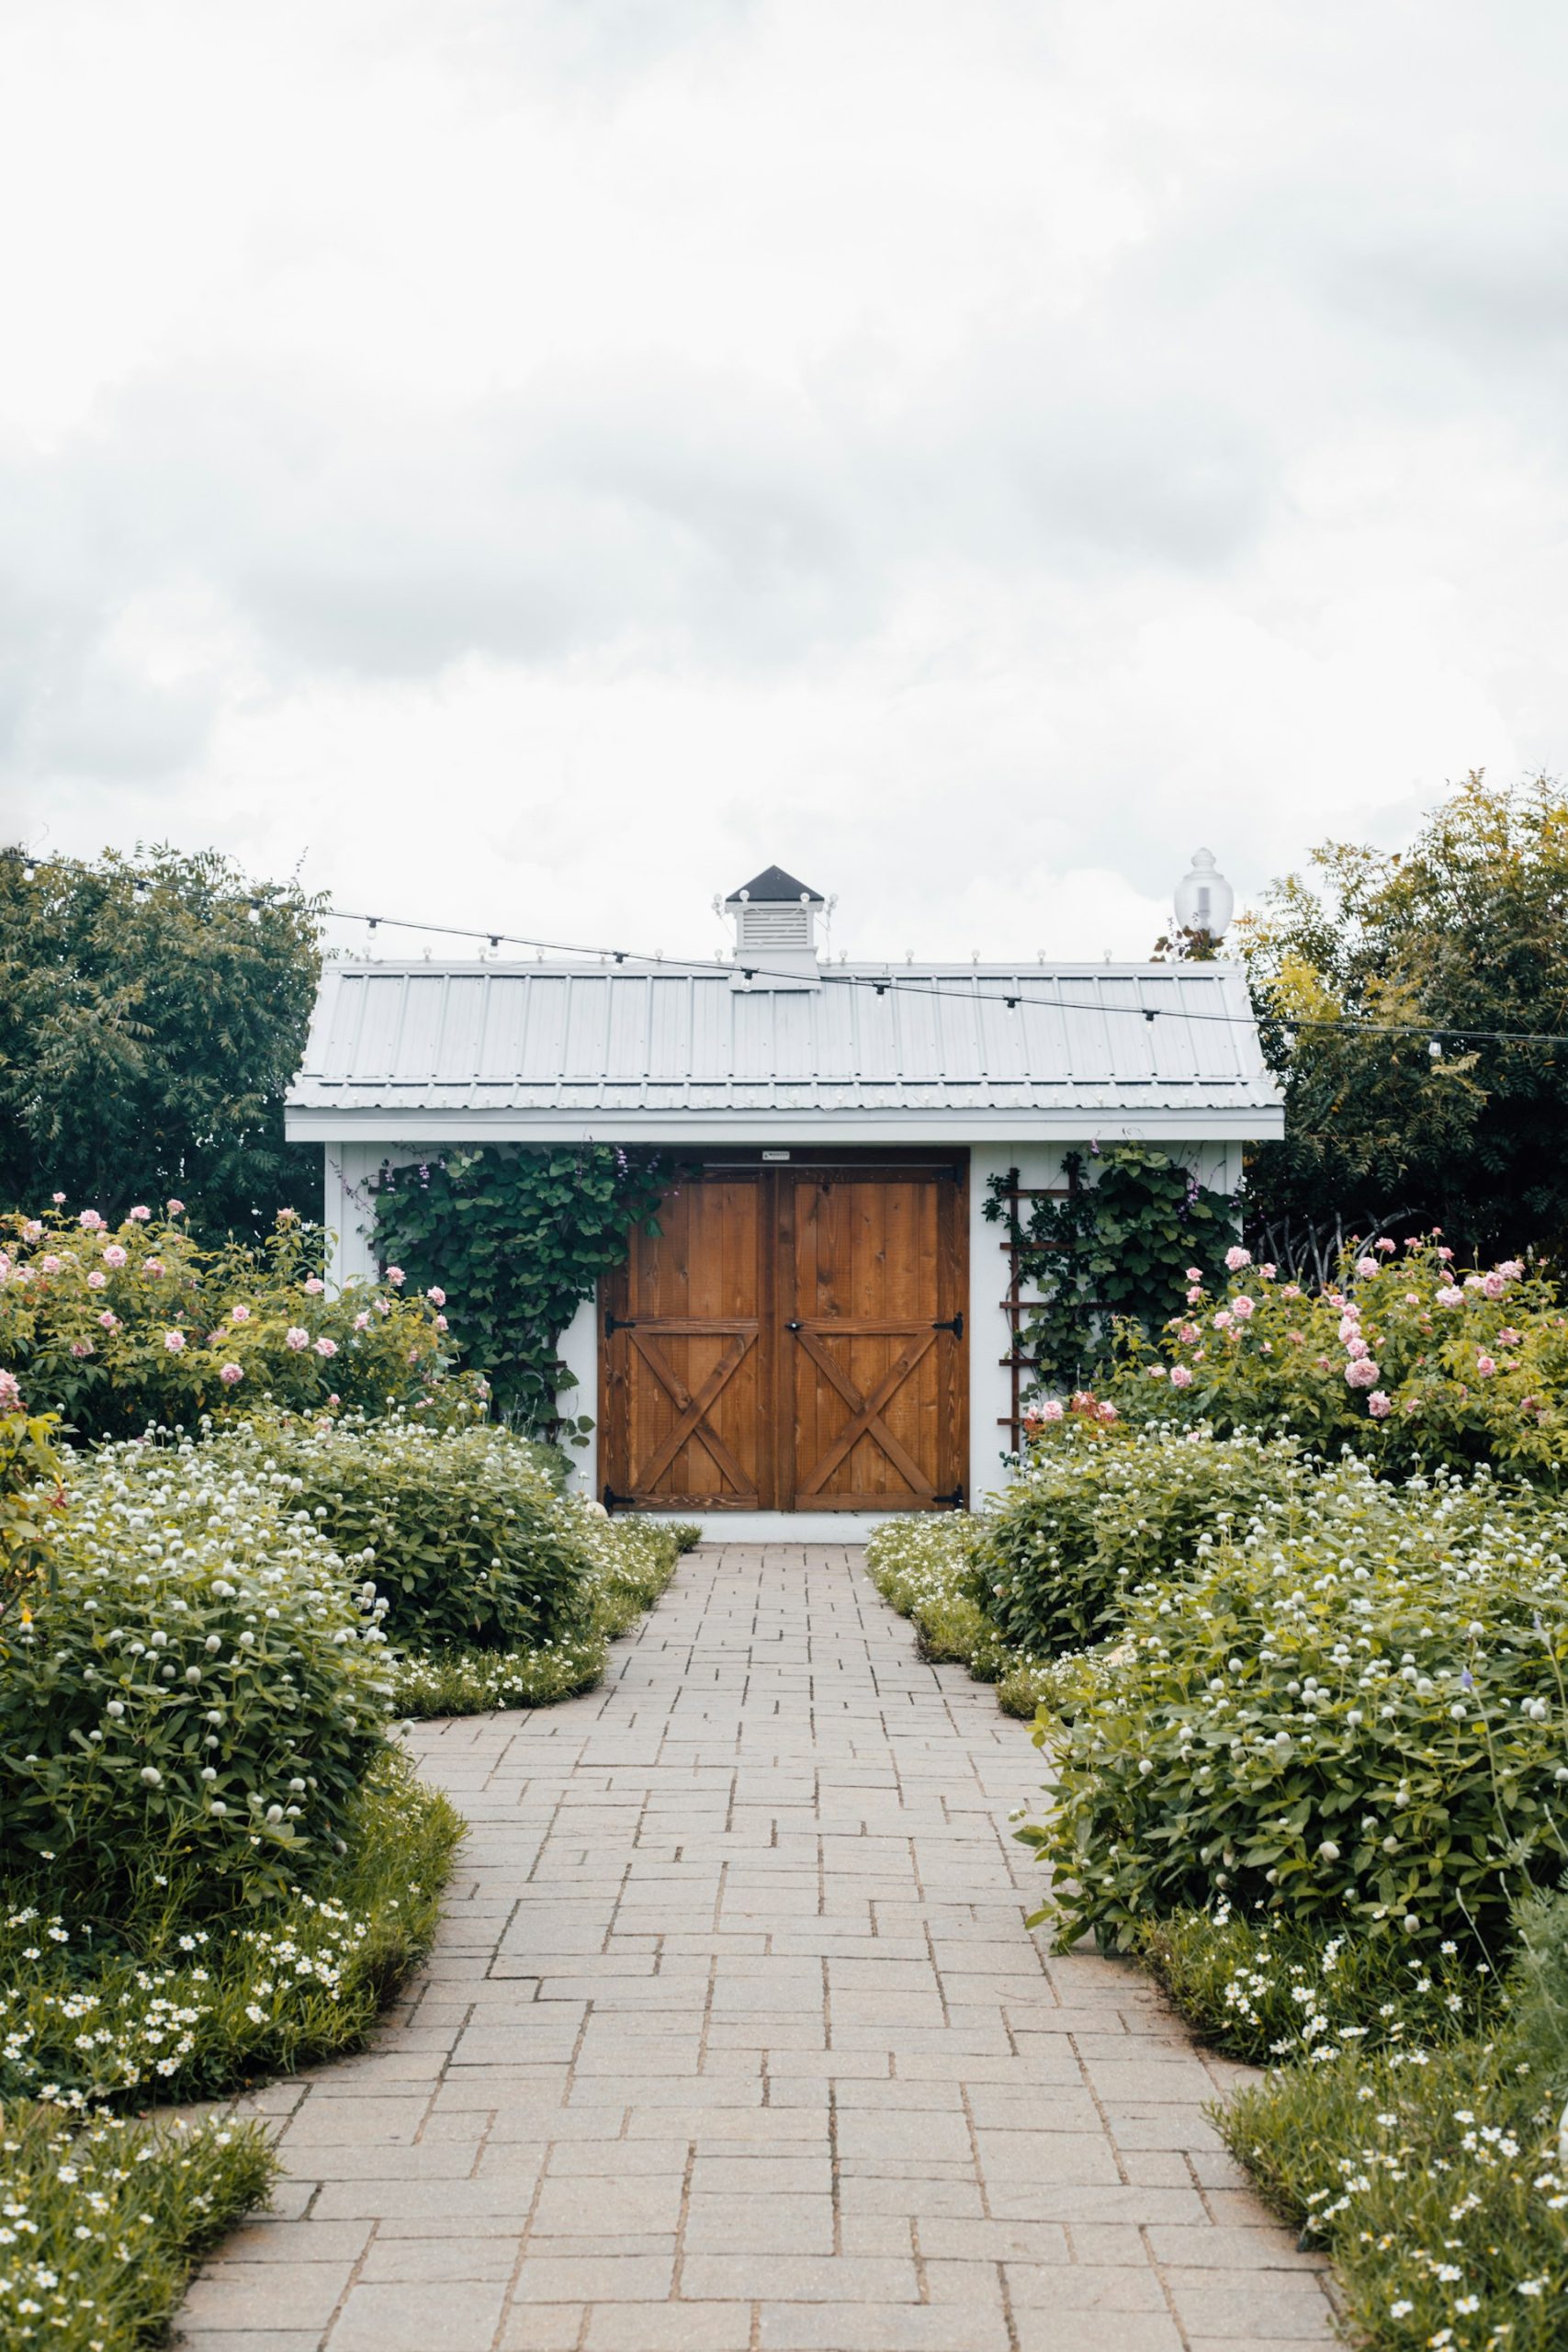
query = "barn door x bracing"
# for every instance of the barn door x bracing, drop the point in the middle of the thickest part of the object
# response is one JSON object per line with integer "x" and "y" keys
{"x": 791, "y": 1340}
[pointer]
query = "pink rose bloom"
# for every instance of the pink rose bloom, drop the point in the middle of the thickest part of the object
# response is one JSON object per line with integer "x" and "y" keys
{"x": 153, "y": 1266}
{"x": 440, "y": 1324}
{"x": 1268, "y": 1272}
{"x": 96, "y": 1280}
{"x": 114, "y": 1256}
{"x": 51, "y": 1264}
{"x": 1194, "y": 1274}
{"x": 1385, "y": 1245}
{"x": 109, "y": 1320}
{"x": 326, "y": 1347}
{"x": 315, "y": 1284}
{"x": 1366, "y": 1267}
{"x": 1363, "y": 1373}
{"x": 239, "y": 1315}
{"x": 1180, "y": 1377}
{"x": 1510, "y": 1269}
{"x": 1292, "y": 1290}
{"x": 1052, "y": 1409}
{"x": 91, "y": 1220}
{"x": 362, "y": 1322}
{"x": 10, "y": 1394}
{"x": 396, "y": 1276}
{"x": 1156, "y": 1372}
{"x": 175, "y": 1208}
{"x": 413, "y": 1355}
{"x": 1349, "y": 1329}
{"x": 81, "y": 1347}
{"x": 1237, "y": 1257}
{"x": 1243, "y": 1308}
{"x": 230, "y": 1372}
{"x": 1108, "y": 1411}
{"x": 383, "y": 1306}
{"x": 1188, "y": 1335}
{"x": 436, "y": 1296}
{"x": 1379, "y": 1405}
{"x": 1450, "y": 1295}
{"x": 58, "y": 1198}
{"x": 32, "y": 1230}
{"x": 1412, "y": 1299}
{"x": 1296, "y": 1338}
{"x": 1510, "y": 1338}
{"x": 1495, "y": 1284}
{"x": 1322, "y": 1363}
{"x": 140, "y": 1216}
{"x": 1473, "y": 1282}
{"x": 174, "y": 1341}
{"x": 296, "y": 1339}
{"x": 1484, "y": 1367}
{"x": 1223, "y": 1319}
{"x": 1445, "y": 1254}
{"x": 1355, "y": 1347}
{"x": 1195, "y": 1293}
{"x": 335, "y": 1398}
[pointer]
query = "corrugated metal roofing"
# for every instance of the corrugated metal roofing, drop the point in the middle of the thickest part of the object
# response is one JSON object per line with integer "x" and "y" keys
{"x": 575, "y": 1041}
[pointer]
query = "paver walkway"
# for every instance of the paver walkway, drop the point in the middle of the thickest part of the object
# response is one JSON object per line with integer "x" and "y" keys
{"x": 735, "y": 2039}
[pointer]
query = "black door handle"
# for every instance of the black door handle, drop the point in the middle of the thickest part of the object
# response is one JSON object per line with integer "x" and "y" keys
{"x": 792, "y": 1326}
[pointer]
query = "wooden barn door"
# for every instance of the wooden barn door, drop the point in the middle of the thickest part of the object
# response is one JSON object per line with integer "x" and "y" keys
{"x": 871, "y": 1339}
{"x": 686, "y": 1401}
{"x": 791, "y": 1340}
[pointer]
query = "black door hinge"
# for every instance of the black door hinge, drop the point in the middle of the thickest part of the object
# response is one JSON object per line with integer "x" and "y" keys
{"x": 954, "y": 1324}
{"x": 954, "y": 1501}
{"x": 614, "y": 1501}
{"x": 613, "y": 1323}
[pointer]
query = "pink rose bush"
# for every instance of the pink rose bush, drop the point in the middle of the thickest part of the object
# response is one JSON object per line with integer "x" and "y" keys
{"x": 120, "y": 1327}
{"x": 1399, "y": 1355}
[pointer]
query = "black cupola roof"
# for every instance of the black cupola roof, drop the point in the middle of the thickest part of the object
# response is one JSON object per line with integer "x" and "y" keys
{"x": 771, "y": 885}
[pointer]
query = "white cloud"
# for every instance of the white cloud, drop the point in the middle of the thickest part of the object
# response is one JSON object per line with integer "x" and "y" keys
{"x": 554, "y": 455}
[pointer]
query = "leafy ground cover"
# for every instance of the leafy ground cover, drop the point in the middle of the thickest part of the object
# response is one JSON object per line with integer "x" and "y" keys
{"x": 104, "y": 2219}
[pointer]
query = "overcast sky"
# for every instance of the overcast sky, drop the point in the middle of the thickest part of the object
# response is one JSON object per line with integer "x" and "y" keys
{"x": 535, "y": 461}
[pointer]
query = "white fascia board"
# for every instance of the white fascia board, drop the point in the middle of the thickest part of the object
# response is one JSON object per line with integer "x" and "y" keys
{"x": 1073, "y": 1123}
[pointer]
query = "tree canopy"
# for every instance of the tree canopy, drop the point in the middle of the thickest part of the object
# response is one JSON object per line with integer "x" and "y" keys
{"x": 152, "y": 1011}
{"x": 1467, "y": 929}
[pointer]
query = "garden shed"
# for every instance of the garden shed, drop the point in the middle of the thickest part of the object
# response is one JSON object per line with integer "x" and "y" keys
{"x": 821, "y": 1332}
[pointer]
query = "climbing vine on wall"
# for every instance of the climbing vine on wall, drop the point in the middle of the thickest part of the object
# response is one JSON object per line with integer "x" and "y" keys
{"x": 1117, "y": 1245}
{"x": 518, "y": 1237}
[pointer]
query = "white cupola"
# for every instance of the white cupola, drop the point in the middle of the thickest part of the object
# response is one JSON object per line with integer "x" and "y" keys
{"x": 775, "y": 921}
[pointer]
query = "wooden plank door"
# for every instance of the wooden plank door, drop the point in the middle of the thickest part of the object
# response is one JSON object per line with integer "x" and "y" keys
{"x": 686, "y": 1388}
{"x": 870, "y": 1344}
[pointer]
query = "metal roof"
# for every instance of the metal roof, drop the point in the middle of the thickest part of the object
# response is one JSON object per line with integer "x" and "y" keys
{"x": 529, "y": 1051}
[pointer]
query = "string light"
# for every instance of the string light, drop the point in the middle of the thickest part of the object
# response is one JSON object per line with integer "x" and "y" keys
{"x": 836, "y": 975}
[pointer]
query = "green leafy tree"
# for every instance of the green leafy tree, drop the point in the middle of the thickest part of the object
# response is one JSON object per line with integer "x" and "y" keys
{"x": 1466, "y": 931}
{"x": 152, "y": 1011}
{"x": 518, "y": 1236}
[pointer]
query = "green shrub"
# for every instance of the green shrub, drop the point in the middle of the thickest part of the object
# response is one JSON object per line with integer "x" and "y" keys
{"x": 194, "y": 1692}
{"x": 926, "y": 1568}
{"x": 1435, "y": 2179}
{"x": 31, "y": 1493}
{"x": 468, "y": 1543}
{"x": 1099, "y": 1507}
{"x": 1403, "y": 1356}
{"x": 162, "y": 2005}
{"x": 1363, "y": 1725}
{"x": 105, "y": 2220}
{"x": 120, "y": 1327}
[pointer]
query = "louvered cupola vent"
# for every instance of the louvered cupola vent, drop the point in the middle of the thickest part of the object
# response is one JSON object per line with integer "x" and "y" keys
{"x": 775, "y": 923}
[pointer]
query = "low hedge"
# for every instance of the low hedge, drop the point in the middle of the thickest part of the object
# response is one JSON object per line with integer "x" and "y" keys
{"x": 463, "y": 1532}
{"x": 1099, "y": 1507}
{"x": 191, "y": 1690}
{"x": 1360, "y": 1722}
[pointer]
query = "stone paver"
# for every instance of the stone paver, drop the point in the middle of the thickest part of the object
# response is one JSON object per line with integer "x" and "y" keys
{"x": 735, "y": 2040}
